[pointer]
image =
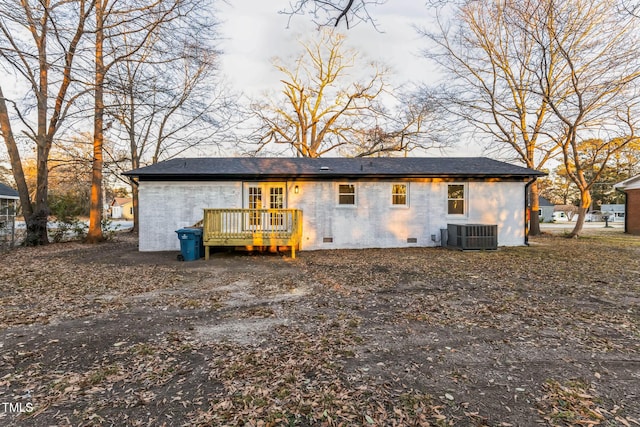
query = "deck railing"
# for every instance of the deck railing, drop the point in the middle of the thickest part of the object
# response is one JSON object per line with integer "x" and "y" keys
{"x": 252, "y": 227}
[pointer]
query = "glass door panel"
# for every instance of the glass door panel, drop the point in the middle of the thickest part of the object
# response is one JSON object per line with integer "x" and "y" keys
{"x": 276, "y": 201}
{"x": 255, "y": 202}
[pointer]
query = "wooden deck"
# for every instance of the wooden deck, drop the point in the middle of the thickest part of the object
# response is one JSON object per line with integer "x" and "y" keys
{"x": 252, "y": 228}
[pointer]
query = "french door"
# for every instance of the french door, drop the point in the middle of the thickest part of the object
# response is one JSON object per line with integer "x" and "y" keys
{"x": 265, "y": 196}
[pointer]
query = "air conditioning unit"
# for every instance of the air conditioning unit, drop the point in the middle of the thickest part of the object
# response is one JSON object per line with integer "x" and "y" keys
{"x": 470, "y": 237}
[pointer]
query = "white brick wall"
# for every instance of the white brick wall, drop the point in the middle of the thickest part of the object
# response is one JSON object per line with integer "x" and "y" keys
{"x": 168, "y": 206}
{"x": 373, "y": 222}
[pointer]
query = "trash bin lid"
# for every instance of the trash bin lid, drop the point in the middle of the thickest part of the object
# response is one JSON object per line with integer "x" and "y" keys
{"x": 193, "y": 231}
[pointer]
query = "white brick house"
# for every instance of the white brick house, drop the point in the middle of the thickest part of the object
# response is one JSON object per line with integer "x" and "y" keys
{"x": 345, "y": 202}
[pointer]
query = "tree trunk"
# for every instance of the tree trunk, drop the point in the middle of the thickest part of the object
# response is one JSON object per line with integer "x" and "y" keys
{"x": 36, "y": 221}
{"x": 134, "y": 196}
{"x": 94, "y": 235}
{"x": 534, "y": 220}
{"x": 39, "y": 20}
{"x": 585, "y": 202}
{"x": 14, "y": 158}
{"x": 135, "y": 160}
{"x": 37, "y": 225}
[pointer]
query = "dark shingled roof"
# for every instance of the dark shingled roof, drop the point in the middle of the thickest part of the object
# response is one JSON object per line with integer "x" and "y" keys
{"x": 330, "y": 168}
{"x": 7, "y": 191}
{"x": 544, "y": 202}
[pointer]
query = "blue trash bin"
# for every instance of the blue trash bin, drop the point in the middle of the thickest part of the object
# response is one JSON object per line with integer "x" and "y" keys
{"x": 190, "y": 244}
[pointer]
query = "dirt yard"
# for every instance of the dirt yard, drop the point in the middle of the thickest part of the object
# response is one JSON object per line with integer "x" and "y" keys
{"x": 541, "y": 335}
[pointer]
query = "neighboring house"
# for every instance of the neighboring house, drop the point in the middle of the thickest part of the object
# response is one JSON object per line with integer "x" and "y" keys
{"x": 121, "y": 208}
{"x": 8, "y": 205}
{"x": 615, "y": 213}
{"x": 631, "y": 188}
{"x": 344, "y": 202}
{"x": 8, "y": 193}
{"x": 8, "y": 201}
{"x": 559, "y": 216}
{"x": 546, "y": 210}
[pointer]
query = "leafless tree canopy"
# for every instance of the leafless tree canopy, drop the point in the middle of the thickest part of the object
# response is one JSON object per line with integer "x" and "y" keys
{"x": 68, "y": 53}
{"x": 492, "y": 63}
{"x": 333, "y": 13}
{"x": 632, "y": 7}
{"x": 163, "y": 97}
{"x": 332, "y": 103}
{"x": 39, "y": 42}
{"x": 336, "y": 12}
{"x": 594, "y": 96}
{"x": 543, "y": 77}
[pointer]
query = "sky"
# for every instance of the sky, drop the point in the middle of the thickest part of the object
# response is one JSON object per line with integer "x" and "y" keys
{"x": 254, "y": 33}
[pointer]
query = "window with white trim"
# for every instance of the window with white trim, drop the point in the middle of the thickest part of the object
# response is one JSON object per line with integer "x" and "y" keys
{"x": 346, "y": 194}
{"x": 399, "y": 194}
{"x": 455, "y": 199}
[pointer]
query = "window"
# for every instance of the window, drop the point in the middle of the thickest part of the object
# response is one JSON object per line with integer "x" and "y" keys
{"x": 399, "y": 194}
{"x": 346, "y": 194}
{"x": 455, "y": 199}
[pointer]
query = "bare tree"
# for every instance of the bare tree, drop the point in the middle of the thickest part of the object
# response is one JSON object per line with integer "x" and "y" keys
{"x": 56, "y": 30}
{"x": 593, "y": 90}
{"x": 138, "y": 22}
{"x": 331, "y": 104}
{"x": 94, "y": 233}
{"x": 610, "y": 164}
{"x": 6, "y": 176}
{"x": 491, "y": 61}
{"x": 39, "y": 43}
{"x": 416, "y": 124}
{"x": 323, "y": 104}
{"x": 334, "y": 12}
{"x": 163, "y": 97}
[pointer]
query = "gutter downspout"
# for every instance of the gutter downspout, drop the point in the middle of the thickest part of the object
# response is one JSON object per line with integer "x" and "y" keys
{"x": 526, "y": 210}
